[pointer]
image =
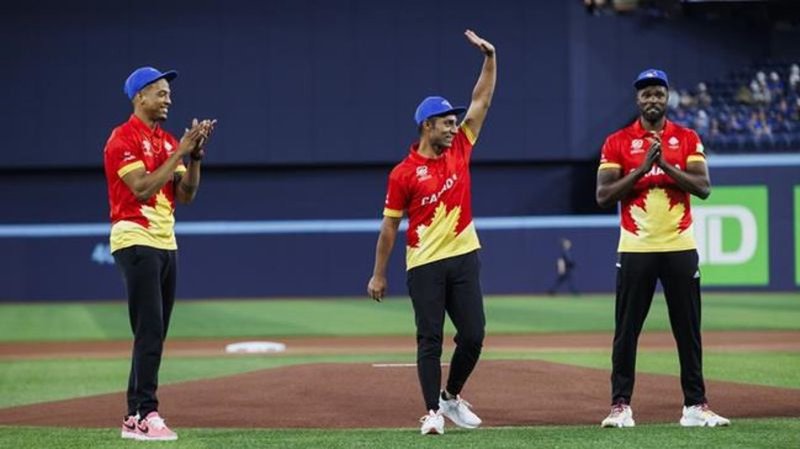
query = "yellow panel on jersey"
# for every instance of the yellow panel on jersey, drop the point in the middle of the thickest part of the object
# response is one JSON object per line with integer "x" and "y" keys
{"x": 130, "y": 167}
{"x": 606, "y": 165}
{"x": 159, "y": 234}
{"x": 439, "y": 240}
{"x": 392, "y": 213}
{"x": 659, "y": 226}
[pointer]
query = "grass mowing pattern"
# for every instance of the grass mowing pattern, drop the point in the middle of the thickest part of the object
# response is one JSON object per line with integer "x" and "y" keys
{"x": 743, "y": 434}
{"x": 238, "y": 318}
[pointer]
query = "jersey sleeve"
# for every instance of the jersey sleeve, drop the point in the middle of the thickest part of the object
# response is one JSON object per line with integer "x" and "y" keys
{"x": 396, "y": 196}
{"x": 695, "y": 152}
{"x": 122, "y": 157}
{"x": 463, "y": 142}
{"x": 610, "y": 156}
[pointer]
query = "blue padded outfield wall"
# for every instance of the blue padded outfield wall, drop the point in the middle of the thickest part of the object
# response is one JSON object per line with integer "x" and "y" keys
{"x": 747, "y": 232}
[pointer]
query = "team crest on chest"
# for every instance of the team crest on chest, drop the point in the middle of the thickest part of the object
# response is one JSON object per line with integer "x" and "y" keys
{"x": 147, "y": 147}
{"x": 168, "y": 147}
{"x": 422, "y": 173}
{"x": 637, "y": 146}
{"x": 673, "y": 143}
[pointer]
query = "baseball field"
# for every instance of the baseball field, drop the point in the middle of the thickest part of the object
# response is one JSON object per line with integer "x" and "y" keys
{"x": 347, "y": 379}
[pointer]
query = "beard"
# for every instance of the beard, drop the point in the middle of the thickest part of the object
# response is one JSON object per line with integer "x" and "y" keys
{"x": 653, "y": 115}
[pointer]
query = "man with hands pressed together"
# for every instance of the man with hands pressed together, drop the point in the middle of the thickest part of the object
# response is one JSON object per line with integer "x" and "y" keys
{"x": 652, "y": 167}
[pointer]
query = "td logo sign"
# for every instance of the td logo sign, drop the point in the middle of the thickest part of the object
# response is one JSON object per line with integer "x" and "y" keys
{"x": 731, "y": 229}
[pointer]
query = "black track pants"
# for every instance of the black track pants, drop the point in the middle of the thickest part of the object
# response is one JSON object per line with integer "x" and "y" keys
{"x": 149, "y": 275}
{"x": 636, "y": 282}
{"x": 453, "y": 286}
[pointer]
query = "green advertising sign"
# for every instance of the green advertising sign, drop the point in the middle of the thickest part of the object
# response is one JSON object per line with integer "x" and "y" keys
{"x": 731, "y": 229}
{"x": 797, "y": 235}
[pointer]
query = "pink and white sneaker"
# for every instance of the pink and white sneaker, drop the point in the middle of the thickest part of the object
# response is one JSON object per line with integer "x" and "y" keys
{"x": 153, "y": 428}
{"x": 129, "y": 431}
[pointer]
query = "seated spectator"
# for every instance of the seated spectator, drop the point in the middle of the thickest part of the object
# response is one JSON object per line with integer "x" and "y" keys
{"x": 703, "y": 97}
{"x": 759, "y": 93}
{"x": 775, "y": 85}
{"x": 780, "y": 124}
{"x": 762, "y": 87}
{"x": 735, "y": 124}
{"x": 687, "y": 100}
{"x": 681, "y": 117}
{"x": 758, "y": 126}
{"x": 715, "y": 130}
{"x": 674, "y": 99}
{"x": 745, "y": 94}
{"x": 702, "y": 123}
{"x": 794, "y": 79}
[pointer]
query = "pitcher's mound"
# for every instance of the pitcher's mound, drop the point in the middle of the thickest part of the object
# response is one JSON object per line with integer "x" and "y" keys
{"x": 504, "y": 393}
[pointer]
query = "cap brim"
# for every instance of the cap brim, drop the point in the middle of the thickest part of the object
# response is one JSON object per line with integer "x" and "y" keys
{"x": 456, "y": 111}
{"x": 645, "y": 82}
{"x": 169, "y": 75}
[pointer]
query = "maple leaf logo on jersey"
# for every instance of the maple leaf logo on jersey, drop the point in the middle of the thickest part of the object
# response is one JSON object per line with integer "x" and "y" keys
{"x": 159, "y": 214}
{"x": 441, "y": 230}
{"x": 658, "y": 216}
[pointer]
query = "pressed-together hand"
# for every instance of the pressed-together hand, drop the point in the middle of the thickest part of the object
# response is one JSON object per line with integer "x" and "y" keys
{"x": 191, "y": 137}
{"x": 653, "y": 154}
{"x": 206, "y": 129}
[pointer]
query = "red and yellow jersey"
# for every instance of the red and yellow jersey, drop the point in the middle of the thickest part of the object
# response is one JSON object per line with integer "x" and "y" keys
{"x": 435, "y": 194}
{"x": 131, "y": 146}
{"x": 656, "y": 216}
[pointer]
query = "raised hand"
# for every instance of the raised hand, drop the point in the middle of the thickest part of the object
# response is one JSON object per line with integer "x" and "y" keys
{"x": 484, "y": 45}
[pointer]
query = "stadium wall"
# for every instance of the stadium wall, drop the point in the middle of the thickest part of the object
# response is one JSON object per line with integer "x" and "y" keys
{"x": 247, "y": 238}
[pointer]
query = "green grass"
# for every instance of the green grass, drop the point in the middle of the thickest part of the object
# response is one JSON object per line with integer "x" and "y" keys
{"x": 30, "y": 381}
{"x": 254, "y": 318}
{"x": 743, "y": 434}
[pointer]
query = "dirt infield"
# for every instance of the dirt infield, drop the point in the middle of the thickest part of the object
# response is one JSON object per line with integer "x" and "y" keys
{"x": 359, "y": 395}
{"x": 505, "y": 393}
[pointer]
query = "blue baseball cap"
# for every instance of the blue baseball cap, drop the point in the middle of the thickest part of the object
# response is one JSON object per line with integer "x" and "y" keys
{"x": 651, "y": 77}
{"x": 433, "y": 107}
{"x": 143, "y": 76}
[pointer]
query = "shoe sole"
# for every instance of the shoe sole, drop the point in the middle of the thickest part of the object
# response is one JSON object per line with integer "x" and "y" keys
{"x": 696, "y": 423}
{"x": 620, "y": 425}
{"x": 147, "y": 438}
{"x": 129, "y": 435}
{"x": 462, "y": 424}
{"x": 433, "y": 432}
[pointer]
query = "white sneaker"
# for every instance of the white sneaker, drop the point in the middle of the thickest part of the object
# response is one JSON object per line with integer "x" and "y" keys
{"x": 459, "y": 411}
{"x": 621, "y": 416}
{"x": 432, "y": 423}
{"x": 702, "y": 416}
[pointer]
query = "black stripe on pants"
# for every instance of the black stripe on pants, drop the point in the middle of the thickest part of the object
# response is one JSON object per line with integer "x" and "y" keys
{"x": 636, "y": 283}
{"x": 453, "y": 286}
{"x": 149, "y": 275}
